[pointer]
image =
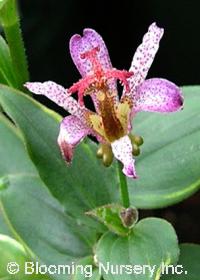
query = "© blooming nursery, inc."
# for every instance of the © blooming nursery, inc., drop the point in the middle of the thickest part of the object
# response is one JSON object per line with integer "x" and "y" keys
{"x": 111, "y": 123}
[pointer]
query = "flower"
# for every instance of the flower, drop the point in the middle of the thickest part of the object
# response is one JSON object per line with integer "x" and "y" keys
{"x": 111, "y": 123}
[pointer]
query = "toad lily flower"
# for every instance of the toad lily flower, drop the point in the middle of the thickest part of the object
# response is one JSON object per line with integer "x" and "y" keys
{"x": 111, "y": 123}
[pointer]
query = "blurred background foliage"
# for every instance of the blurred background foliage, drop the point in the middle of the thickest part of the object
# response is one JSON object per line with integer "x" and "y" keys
{"x": 48, "y": 25}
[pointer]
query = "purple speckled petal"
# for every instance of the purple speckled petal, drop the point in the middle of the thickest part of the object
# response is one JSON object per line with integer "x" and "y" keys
{"x": 57, "y": 94}
{"x": 50, "y": 89}
{"x": 90, "y": 40}
{"x": 144, "y": 56}
{"x": 72, "y": 131}
{"x": 122, "y": 150}
{"x": 158, "y": 95}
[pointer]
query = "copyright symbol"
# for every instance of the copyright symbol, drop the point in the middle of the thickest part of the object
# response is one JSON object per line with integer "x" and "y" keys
{"x": 12, "y": 268}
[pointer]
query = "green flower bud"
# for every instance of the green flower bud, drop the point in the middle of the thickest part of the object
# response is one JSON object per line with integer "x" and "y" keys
{"x": 138, "y": 140}
{"x": 129, "y": 217}
{"x": 100, "y": 152}
{"x": 136, "y": 150}
{"x": 105, "y": 153}
{"x": 107, "y": 159}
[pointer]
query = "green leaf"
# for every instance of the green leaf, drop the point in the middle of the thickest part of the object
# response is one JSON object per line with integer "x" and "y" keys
{"x": 113, "y": 216}
{"x": 87, "y": 270}
{"x": 188, "y": 263}
{"x": 84, "y": 185}
{"x": 6, "y": 67}
{"x": 11, "y": 251}
{"x": 2, "y": 3}
{"x": 4, "y": 229}
{"x": 14, "y": 256}
{"x": 7, "y": 12}
{"x": 35, "y": 218}
{"x": 153, "y": 242}
{"x": 169, "y": 166}
{"x": 41, "y": 224}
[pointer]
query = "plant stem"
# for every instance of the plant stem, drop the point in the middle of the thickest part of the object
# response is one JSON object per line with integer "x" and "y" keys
{"x": 11, "y": 25}
{"x": 123, "y": 186}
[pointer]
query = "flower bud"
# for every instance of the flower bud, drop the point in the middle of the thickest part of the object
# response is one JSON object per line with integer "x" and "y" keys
{"x": 136, "y": 150}
{"x": 107, "y": 159}
{"x": 138, "y": 140}
{"x": 129, "y": 217}
{"x": 100, "y": 152}
{"x": 105, "y": 153}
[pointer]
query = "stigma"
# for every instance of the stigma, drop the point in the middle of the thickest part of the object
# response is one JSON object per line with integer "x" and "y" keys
{"x": 97, "y": 79}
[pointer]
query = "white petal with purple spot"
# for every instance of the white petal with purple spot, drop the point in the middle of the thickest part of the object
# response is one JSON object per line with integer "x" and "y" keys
{"x": 144, "y": 56}
{"x": 122, "y": 150}
{"x": 59, "y": 95}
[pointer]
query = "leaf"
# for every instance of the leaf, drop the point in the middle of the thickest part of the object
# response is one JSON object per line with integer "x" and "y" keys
{"x": 169, "y": 166}
{"x": 113, "y": 216}
{"x": 152, "y": 242}
{"x": 11, "y": 251}
{"x": 14, "y": 256}
{"x": 84, "y": 185}
{"x": 188, "y": 264}
{"x": 41, "y": 224}
{"x": 6, "y": 68}
{"x": 36, "y": 219}
{"x": 2, "y": 3}
{"x": 4, "y": 229}
{"x": 87, "y": 270}
{"x": 8, "y": 15}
